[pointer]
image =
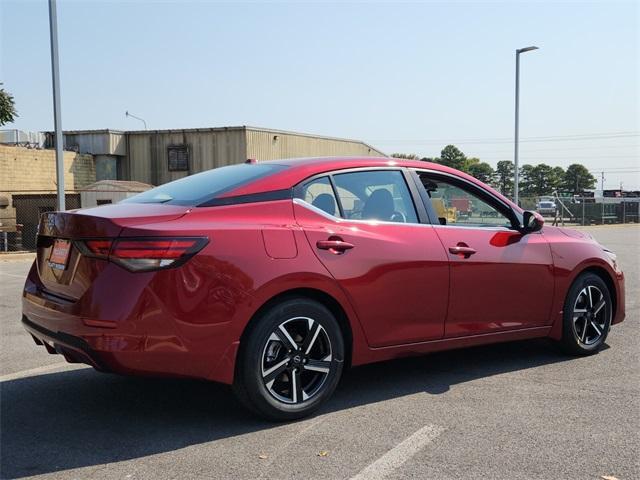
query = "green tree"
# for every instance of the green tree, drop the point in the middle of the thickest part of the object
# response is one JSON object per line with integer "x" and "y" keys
{"x": 556, "y": 179}
{"x": 541, "y": 179}
{"x": 451, "y": 156}
{"x": 406, "y": 156}
{"x": 8, "y": 111}
{"x": 503, "y": 179}
{"x": 545, "y": 179}
{"x": 527, "y": 181}
{"x": 481, "y": 170}
{"x": 577, "y": 179}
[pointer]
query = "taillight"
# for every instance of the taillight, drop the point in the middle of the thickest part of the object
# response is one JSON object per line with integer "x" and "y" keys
{"x": 143, "y": 254}
{"x": 98, "y": 248}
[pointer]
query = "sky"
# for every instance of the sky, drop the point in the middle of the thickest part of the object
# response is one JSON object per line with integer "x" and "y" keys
{"x": 403, "y": 77}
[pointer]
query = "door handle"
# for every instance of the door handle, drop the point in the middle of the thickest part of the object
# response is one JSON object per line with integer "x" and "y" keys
{"x": 462, "y": 250}
{"x": 334, "y": 245}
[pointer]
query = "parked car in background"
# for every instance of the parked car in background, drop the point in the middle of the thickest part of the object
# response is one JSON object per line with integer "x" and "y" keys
{"x": 276, "y": 276}
{"x": 546, "y": 208}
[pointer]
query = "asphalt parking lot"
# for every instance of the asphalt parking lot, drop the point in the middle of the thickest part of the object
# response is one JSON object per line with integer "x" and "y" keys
{"x": 512, "y": 411}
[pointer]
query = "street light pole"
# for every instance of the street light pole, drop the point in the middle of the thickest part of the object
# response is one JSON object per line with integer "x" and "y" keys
{"x": 57, "y": 122}
{"x": 127, "y": 114}
{"x": 516, "y": 176}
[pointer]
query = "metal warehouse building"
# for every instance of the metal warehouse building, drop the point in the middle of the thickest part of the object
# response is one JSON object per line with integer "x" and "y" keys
{"x": 159, "y": 156}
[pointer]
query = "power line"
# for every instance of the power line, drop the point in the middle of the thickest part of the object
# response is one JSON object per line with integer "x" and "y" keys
{"x": 555, "y": 149}
{"x": 558, "y": 157}
{"x": 499, "y": 140}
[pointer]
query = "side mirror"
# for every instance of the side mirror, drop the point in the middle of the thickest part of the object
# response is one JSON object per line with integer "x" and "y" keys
{"x": 531, "y": 222}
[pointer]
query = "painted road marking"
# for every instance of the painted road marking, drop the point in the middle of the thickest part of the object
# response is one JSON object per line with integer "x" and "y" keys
{"x": 399, "y": 454}
{"x": 38, "y": 370}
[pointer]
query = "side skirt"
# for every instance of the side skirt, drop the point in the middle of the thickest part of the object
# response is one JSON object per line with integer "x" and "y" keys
{"x": 380, "y": 354}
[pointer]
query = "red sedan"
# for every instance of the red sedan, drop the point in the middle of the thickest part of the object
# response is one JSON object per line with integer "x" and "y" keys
{"x": 275, "y": 276}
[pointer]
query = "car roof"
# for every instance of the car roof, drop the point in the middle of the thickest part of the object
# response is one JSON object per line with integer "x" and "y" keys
{"x": 298, "y": 169}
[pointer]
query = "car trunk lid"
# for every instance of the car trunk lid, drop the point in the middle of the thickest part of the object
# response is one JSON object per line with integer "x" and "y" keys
{"x": 63, "y": 270}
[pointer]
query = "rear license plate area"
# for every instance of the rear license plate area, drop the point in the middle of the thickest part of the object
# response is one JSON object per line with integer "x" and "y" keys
{"x": 59, "y": 254}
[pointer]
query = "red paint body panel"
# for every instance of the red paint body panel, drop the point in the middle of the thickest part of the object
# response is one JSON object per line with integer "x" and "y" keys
{"x": 499, "y": 281}
{"x": 401, "y": 291}
{"x": 396, "y": 276}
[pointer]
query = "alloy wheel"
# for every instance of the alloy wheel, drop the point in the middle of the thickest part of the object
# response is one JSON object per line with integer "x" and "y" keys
{"x": 296, "y": 360}
{"x": 590, "y": 315}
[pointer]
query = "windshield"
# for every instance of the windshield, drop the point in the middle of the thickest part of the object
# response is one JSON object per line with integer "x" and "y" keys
{"x": 196, "y": 189}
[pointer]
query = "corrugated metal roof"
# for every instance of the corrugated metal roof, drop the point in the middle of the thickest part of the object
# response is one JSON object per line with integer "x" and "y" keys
{"x": 224, "y": 129}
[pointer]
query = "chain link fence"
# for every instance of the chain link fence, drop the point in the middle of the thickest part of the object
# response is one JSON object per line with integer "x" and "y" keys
{"x": 585, "y": 210}
{"x": 20, "y": 212}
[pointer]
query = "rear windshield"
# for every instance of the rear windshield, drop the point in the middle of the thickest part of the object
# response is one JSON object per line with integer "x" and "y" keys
{"x": 198, "y": 188}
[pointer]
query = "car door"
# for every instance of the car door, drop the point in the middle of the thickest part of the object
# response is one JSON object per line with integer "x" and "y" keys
{"x": 500, "y": 279}
{"x": 364, "y": 228}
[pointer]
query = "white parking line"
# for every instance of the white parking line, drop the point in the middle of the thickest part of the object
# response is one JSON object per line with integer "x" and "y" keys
{"x": 399, "y": 454}
{"x": 38, "y": 370}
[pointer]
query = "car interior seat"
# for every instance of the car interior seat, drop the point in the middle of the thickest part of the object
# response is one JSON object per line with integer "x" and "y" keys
{"x": 326, "y": 203}
{"x": 379, "y": 206}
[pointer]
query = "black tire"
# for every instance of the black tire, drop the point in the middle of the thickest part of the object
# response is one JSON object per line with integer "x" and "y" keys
{"x": 283, "y": 397}
{"x": 584, "y": 333}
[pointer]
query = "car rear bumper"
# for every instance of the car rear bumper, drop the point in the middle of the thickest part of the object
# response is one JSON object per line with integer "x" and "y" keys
{"x": 140, "y": 335}
{"x": 74, "y": 349}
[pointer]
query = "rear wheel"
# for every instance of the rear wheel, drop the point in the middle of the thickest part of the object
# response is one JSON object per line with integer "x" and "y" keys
{"x": 291, "y": 360}
{"x": 588, "y": 310}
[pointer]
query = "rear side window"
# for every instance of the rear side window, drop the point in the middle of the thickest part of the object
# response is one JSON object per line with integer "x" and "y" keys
{"x": 201, "y": 187}
{"x": 320, "y": 194}
{"x": 375, "y": 195}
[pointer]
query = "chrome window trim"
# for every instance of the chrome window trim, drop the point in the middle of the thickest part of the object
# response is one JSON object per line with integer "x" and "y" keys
{"x": 471, "y": 227}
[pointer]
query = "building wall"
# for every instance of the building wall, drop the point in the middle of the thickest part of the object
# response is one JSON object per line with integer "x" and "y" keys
{"x": 31, "y": 171}
{"x": 94, "y": 198}
{"x": 148, "y": 159}
{"x": 107, "y": 167}
{"x": 273, "y": 144}
{"x": 97, "y": 142}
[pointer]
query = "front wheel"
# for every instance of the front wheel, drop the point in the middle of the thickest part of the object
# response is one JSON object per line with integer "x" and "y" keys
{"x": 291, "y": 360}
{"x": 588, "y": 310}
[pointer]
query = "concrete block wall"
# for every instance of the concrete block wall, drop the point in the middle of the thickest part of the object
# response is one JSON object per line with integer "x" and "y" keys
{"x": 27, "y": 170}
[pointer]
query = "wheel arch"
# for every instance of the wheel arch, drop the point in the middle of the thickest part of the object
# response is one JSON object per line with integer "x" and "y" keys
{"x": 607, "y": 279}
{"x": 595, "y": 268}
{"x": 320, "y": 296}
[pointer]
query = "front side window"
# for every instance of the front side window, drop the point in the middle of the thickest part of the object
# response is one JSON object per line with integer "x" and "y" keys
{"x": 458, "y": 206}
{"x": 380, "y": 195}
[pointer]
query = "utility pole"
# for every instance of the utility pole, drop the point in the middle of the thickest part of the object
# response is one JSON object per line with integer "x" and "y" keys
{"x": 57, "y": 121}
{"x": 602, "y": 181}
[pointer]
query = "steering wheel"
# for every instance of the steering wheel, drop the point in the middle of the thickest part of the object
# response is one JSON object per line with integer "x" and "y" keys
{"x": 398, "y": 217}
